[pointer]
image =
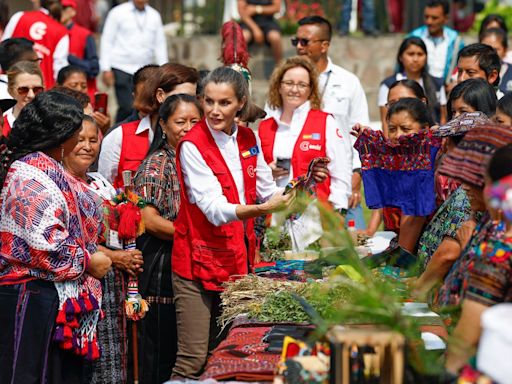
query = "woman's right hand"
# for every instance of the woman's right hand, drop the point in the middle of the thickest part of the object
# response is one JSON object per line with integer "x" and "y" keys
{"x": 358, "y": 129}
{"x": 279, "y": 202}
{"x": 99, "y": 265}
{"x": 277, "y": 171}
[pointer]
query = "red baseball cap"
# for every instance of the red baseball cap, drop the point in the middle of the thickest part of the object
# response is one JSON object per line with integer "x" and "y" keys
{"x": 68, "y": 3}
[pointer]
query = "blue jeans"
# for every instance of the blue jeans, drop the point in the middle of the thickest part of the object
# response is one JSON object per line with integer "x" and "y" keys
{"x": 368, "y": 15}
{"x": 356, "y": 214}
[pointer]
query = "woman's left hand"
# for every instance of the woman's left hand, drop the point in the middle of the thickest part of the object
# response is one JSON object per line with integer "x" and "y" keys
{"x": 128, "y": 261}
{"x": 102, "y": 120}
{"x": 320, "y": 171}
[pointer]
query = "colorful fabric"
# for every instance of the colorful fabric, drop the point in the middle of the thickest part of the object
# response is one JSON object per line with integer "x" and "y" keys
{"x": 447, "y": 220}
{"x": 391, "y": 218}
{"x": 455, "y": 284}
{"x": 399, "y": 174}
{"x": 468, "y": 161}
{"x": 48, "y": 231}
{"x": 157, "y": 182}
{"x": 499, "y": 196}
{"x": 490, "y": 280}
{"x": 462, "y": 124}
{"x": 242, "y": 356}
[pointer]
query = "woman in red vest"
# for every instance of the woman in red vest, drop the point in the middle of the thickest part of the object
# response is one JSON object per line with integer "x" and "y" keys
{"x": 298, "y": 131}
{"x": 222, "y": 173}
{"x": 126, "y": 146}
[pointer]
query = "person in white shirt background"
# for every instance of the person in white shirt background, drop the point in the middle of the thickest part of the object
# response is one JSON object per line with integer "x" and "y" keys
{"x": 132, "y": 37}
{"x": 293, "y": 94}
{"x": 341, "y": 92}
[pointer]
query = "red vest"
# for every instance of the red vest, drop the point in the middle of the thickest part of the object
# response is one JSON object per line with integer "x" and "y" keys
{"x": 134, "y": 149}
{"x": 309, "y": 144}
{"x": 77, "y": 42}
{"x": 202, "y": 251}
{"x": 7, "y": 127}
{"x": 46, "y": 33}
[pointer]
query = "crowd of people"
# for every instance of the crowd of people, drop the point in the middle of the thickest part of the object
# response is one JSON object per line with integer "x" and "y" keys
{"x": 206, "y": 180}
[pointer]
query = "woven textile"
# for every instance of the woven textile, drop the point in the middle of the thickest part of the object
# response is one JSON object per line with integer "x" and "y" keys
{"x": 49, "y": 227}
{"x": 490, "y": 280}
{"x": 455, "y": 284}
{"x": 401, "y": 174}
{"x": 447, "y": 220}
{"x": 462, "y": 124}
{"x": 156, "y": 181}
{"x": 242, "y": 356}
{"x": 499, "y": 196}
{"x": 468, "y": 161}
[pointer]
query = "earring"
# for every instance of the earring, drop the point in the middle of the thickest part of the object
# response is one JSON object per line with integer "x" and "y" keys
{"x": 61, "y": 154}
{"x": 164, "y": 136}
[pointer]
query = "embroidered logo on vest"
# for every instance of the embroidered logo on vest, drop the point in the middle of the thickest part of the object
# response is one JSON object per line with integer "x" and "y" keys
{"x": 38, "y": 30}
{"x": 250, "y": 171}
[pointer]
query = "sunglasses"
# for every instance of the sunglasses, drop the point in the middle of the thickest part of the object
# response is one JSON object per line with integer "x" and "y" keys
{"x": 23, "y": 91}
{"x": 304, "y": 42}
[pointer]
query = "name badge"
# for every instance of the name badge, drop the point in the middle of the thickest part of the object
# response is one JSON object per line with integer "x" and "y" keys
{"x": 253, "y": 151}
{"x": 113, "y": 240}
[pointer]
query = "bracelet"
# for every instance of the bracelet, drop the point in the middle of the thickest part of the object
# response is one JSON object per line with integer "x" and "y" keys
{"x": 259, "y": 9}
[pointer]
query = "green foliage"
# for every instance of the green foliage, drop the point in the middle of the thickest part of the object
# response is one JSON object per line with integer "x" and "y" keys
{"x": 493, "y": 7}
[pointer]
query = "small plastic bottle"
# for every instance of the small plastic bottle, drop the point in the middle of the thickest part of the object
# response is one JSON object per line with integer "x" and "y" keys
{"x": 352, "y": 231}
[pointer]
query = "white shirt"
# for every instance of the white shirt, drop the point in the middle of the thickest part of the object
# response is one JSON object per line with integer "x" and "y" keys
{"x": 61, "y": 52}
{"x": 338, "y": 150}
{"x": 344, "y": 97}
{"x": 203, "y": 187}
{"x": 4, "y": 93}
{"x": 437, "y": 49}
{"x": 110, "y": 153}
{"x": 132, "y": 38}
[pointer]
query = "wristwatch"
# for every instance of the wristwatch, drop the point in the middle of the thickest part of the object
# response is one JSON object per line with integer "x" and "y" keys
{"x": 259, "y": 9}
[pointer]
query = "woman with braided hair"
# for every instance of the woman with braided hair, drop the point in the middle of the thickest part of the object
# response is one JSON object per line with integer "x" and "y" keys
{"x": 50, "y": 294}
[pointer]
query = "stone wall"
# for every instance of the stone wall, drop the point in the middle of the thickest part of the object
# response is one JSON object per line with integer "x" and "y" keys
{"x": 371, "y": 59}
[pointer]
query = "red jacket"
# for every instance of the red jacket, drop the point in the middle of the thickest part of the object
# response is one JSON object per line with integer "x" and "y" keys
{"x": 7, "y": 127}
{"x": 309, "y": 144}
{"x": 202, "y": 251}
{"x": 77, "y": 42}
{"x": 46, "y": 33}
{"x": 134, "y": 149}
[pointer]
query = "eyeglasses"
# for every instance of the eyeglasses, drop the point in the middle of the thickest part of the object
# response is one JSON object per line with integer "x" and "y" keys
{"x": 290, "y": 84}
{"x": 23, "y": 91}
{"x": 304, "y": 42}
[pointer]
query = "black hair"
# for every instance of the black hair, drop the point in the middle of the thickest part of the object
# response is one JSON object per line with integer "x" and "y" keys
{"x": 500, "y": 164}
{"x": 47, "y": 122}
{"x": 14, "y": 50}
{"x": 318, "y": 20}
{"x": 498, "y": 32}
{"x": 166, "y": 110}
{"x": 144, "y": 73}
{"x": 202, "y": 75}
{"x": 415, "y": 107}
{"x": 413, "y": 85}
{"x": 4, "y": 14}
{"x": 439, "y": 3}
{"x": 67, "y": 71}
{"x": 54, "y": 8}
{"x": 82, "y": 98}
{"x": 429, "y": 85}
{"x": 477, "y": 93}
{"x": 488, "y": 59}
{"x": 489, "y": 19}
{"x": 505, "y": 104}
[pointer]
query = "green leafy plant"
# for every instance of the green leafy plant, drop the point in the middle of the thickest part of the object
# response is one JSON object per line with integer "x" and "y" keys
{"x": 493, "y": 7}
